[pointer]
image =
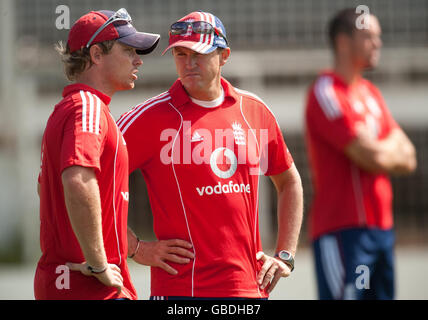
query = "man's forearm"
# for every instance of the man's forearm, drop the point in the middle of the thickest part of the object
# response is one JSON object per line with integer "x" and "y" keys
{"x": 132, "y": 242}
{"x": 82, "y": 198}
{"x": 290, "y": 213}
{"x": 393, "y": 155}
{"x": 398, "y": 153}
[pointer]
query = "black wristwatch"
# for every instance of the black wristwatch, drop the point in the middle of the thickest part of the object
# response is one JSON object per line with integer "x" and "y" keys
{"x": 286, "y": 257}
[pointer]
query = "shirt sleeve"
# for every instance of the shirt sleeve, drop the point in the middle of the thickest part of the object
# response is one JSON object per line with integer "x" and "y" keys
{"x": 83, "y": 140}
{"x": 276, "y": 157}
{"x": 328, "y": 116}
{"x": 387, "y": 116}
{"x": 135, "y": 130}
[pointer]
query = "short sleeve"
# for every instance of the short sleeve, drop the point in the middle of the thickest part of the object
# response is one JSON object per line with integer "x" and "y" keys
{"x": 84, "y": 133}
{"x": 137, "y": 142}
{"x": 328, "y": 116}
{"x": 387, "y": 116}
{"x": 275, "y": 154}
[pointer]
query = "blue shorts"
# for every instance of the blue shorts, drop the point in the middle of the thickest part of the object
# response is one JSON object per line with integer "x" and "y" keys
{"x": 355, "y": 264}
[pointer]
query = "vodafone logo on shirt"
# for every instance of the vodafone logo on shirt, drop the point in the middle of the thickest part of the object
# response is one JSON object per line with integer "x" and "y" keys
{"x": 195, "y": 146}
{"x": 220, "y": 188}
{"x": 223, "y": 163}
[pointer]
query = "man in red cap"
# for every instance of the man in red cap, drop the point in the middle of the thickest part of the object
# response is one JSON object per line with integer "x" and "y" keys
{"x": 201, "y": 146}
{"x": 83, "y": 182}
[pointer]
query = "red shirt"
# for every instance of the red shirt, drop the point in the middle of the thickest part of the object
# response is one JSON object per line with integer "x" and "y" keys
{"x": 201, "y": 166}
{"x": 82, "y": 132}
{"x": 345, "y": 196}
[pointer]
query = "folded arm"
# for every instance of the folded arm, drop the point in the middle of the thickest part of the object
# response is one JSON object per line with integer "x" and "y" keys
{"x": 393, "y": 155}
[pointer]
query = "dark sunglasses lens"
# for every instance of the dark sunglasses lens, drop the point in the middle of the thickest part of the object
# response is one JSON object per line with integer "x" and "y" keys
{"x": 178, "y": 28}
{"x": 202, "y": 27}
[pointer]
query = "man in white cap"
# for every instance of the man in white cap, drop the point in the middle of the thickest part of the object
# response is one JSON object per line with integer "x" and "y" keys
{"x": 201, "y": 147}
{"x": 84, "y": 169}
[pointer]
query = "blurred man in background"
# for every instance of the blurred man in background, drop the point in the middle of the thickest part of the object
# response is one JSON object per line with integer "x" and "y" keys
{"x": 83, "y": 183}
{"x": 354, "y": 144}
{"x": 187, "y": 142}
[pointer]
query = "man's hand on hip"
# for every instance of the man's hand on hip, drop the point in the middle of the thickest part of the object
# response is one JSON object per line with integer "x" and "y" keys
{"x": 271, "y": 271}
{"x": 158, "y": 253}
{"x": 111, "y": 277}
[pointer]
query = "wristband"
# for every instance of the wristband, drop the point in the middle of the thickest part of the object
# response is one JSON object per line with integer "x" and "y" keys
{"x": 96, "y": 271}
{"x": 136, "y": 248}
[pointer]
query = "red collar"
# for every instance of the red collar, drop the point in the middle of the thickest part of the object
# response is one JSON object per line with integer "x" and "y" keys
{"x": 80, "y": 86}
{"x": 338, "y": 79}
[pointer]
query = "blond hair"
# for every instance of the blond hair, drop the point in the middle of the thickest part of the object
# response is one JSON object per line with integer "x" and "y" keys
{"x": 76, "y": 62}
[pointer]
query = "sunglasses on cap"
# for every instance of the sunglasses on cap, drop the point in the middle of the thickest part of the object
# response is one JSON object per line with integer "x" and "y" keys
{"x": 119, "y": 15}
{"x": 202, "y": 27}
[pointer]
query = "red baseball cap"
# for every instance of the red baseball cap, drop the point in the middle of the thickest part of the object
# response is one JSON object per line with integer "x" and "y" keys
{"x": 123, "y": 31}
{"x": 202, "y": 43}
